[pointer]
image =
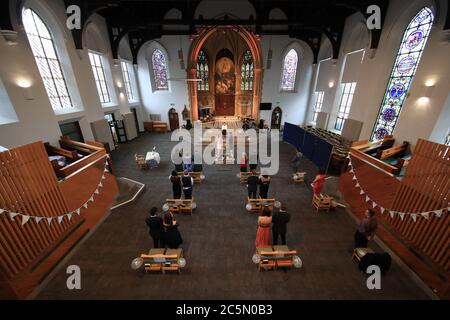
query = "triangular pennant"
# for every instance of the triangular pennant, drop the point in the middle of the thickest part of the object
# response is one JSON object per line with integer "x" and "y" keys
{"x": 374, "y": 204}
{"x": 85, "y": 205}
{"x": 12, "y": 215}
{"x": 392, "y": 214}
{"x": 49, "y": 220}
{"x": 38, "y": 219}
{"x": 357, "y": 185}
{"x": 25, "y": 219}
{"x": 2, "y": 210}
{"x": 426, "y": 215}
{"x": 91, "y": 199}
{"x": 96, "y": 191}
{"x": 361, "y": 192}
{"x": 78, "y": 211}
{"x": 438, "y": 213}
{"x": 106, "y": 169}
{"x": 367, "y": 199}
{"x": 60, "y": 218}
{"x": 354, "y": 178}
{"x": 352, "y": 171}
{"x": 103, "y": 177}
{"x": 402, "y": 215}
{"x": 382, "y": 210}
{"x": 69, "y": 215}
{"x": 414, "y": 216}
{"x": 100, "y": 184}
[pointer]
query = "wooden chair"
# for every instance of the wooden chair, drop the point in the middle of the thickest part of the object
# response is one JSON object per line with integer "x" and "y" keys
{"x": 180, "y": 205}
{"x": 322, "y": 202}
{"x": 359, "y": 253}
{"x": 141, "y": 162}
{"x": 300, "y": 177}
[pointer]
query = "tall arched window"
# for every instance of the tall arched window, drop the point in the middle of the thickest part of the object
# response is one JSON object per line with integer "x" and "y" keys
{"x": 406, "y": 63}
{"x": 44, "y": 51}
{"x": 289, "y": 71}
{"x": 159, "y": 66}
{"x": 247, "y": 71}
{"x": 202, "y": 71}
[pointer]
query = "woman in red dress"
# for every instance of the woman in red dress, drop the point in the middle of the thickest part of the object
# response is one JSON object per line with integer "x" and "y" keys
{"x": 318, "y": 182}
{"x": 263, "y": 233}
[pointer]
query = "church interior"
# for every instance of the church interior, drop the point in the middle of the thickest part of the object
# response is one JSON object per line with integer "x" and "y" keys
{"x": 225, "y": 149}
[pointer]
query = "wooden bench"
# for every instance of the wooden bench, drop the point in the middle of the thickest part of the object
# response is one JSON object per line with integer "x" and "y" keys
{"x": 397, "y": 151}
{"x": 181, "y": 205}
{"x": 272, "y": 258}
{"x": 243, "y": 176}
{"x": 162, "y": 260}
{"x": 322, "y": 202}
{"x": 257, "y": 205}
{"x": 160, "y": 127}
{"x": 372, "y": 147}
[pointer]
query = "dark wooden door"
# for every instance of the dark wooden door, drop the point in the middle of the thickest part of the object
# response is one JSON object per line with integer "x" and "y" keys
{"x": 225, "y": 105}
{"x": 276, "y": 118}
{"x": 173, "y": 120}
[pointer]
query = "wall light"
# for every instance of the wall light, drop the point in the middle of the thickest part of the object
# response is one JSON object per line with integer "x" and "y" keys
{"x": 429, "y": 88}
{"x": 330, "y": 84}
{"x": 26, "y": 88}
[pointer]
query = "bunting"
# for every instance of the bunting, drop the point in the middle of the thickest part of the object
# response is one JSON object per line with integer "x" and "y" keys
{"x": 426, "y": 215}
{"x": 58, "y": 218}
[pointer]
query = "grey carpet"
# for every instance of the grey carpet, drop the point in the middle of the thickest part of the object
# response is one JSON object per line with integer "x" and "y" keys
{"x": 219, "y": 243}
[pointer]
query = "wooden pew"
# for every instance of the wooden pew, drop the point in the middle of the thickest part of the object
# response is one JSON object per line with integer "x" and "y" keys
{"x": 372, "y": 147}
{"x": 259, "y": 204}
{"x": 275, "y": 257}
{"x": 162, "y": 260}
{"x": 52, "y": 150}
{"x": 386, "y": 167}
{"x": 181, "y": 205}
{"x": 160, "y": 126}
{"x": 397, "y": 151}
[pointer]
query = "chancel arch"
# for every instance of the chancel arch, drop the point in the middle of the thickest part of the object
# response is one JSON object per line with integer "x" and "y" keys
{"x": 226, "y": 46}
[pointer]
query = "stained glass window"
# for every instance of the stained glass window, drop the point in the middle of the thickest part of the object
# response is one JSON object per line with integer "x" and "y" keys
{"x": 160, "y": 70}
{"x": 247, "y": 71}
{"x": 47, "y": 60}
{"x": 289, "y": 71}
{"x": 406, "y": 63}
{"x": 99, "y": 76}
{"x": 126, "y": 66}
{"x": 348, "y": 90}
{"x": 202, "y": 71}
{"x": 318, "y": 104}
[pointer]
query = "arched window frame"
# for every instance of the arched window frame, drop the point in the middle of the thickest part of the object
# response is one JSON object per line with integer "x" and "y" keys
{"x": 202, "y": 71}
{"x": 289, "y": 70}
{"x": 159, "y": 78}
{"x": 247, "y": 75}
{"x": 403, "y": 72}
{"x": 47, "y": 59}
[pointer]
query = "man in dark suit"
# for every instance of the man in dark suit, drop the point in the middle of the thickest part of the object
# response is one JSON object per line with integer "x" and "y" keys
{"x": 252, "y": 185}
{"x": 280, "y": 220}
{"x": 156, "y": 228}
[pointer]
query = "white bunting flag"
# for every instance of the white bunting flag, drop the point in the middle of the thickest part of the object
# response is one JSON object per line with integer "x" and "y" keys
{"x": 352, "y": 171}
{"x": 382, "y": 210}
{"x": 1, "y": 211}
{"x": 100, "y": 184}
{"x": 103, "y": 177}
{"x": 357, "y": 185}
{"x": 60, "y": 218}
{"x": 106, "y": 170}
{"x": 85, "y": 205}
{"x": 38, "y": 219}
{"x": 414, "y": 216}
{"x": 13, "y": 215}
{"x": 25, "y": 219}
{"x": 78, "y": 211}
{"x": 361, "y": 192}
{"x": 438, "y": 213}
{"x": 91, "y": 199}
{"x": 402, "y": 215}
{"x": 367, "y": 199}
{"x": 69, "y": 215}
{"x": 354, "y": 178}
{"x": 426, "y": 215}
{"x": 374, "y": 204}
{"x": 49, "y": 220}
{"x": 392, "y": 214}
{"x": 96, "y": 191}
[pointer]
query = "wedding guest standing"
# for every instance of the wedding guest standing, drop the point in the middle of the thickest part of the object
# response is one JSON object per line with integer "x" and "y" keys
{"x": 366, "y": 229}
{"x": 264, "y": 183}
{"x": 244, "y": 162}
{"x": 252, "y": 185}
{"x": 263, "y": 233}
{"x": 295, "y": 163}
{"x": 176, "y": 184}
{"x": 187, "y": 183}
{"x": 172, "y": 236}
{"x": 156, "y": 228}
{"x": 280, "y": 220}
